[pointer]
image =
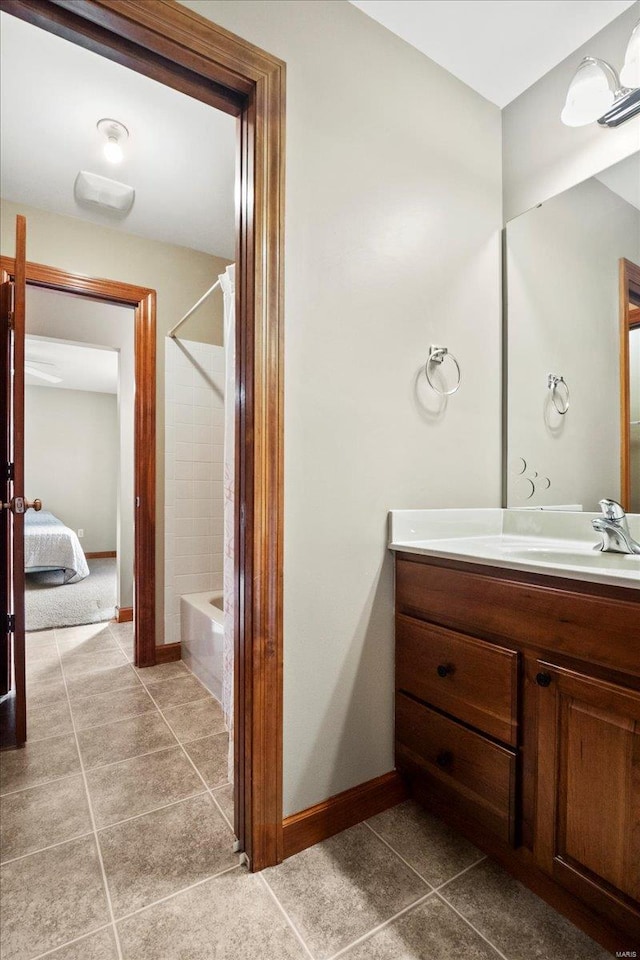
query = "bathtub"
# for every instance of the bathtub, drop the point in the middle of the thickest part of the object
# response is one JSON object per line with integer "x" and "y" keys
{"x": 202, "y": 637}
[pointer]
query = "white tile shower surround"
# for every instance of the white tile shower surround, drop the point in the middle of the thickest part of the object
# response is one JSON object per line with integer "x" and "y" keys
{"x": 194, "y": 472}
{"x": 116, "y": 843}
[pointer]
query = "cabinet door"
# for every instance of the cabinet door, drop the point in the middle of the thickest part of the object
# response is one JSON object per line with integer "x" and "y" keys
{"x": 588, "y": 790}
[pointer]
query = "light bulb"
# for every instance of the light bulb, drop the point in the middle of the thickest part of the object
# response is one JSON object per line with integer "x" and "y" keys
{"x": 113, "y": 150}
{"x": 589, "y": 94}
{"x": 630, "y": 73}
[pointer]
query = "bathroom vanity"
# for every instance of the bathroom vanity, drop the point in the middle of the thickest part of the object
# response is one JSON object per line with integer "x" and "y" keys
{"x": 518, "y": 700}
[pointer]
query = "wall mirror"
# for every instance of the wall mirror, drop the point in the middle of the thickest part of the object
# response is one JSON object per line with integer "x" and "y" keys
{"x": 572, "y": 346}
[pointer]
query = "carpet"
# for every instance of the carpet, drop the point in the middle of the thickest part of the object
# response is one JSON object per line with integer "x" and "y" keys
{"x": 50, "y": 603}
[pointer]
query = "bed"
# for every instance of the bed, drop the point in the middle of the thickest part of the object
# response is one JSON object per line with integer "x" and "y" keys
{"x": 50, "y": 545}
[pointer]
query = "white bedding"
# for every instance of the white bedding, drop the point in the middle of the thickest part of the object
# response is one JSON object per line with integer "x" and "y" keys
{"x": 50, "y": 545}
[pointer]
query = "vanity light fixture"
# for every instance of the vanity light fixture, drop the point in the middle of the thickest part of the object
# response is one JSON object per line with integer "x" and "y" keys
{"x": 630, "y": 73}
{"x": 115, "y": 134}
{"x": 596, "y": 92}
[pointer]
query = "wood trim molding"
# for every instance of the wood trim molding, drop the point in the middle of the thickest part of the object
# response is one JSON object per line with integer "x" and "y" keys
{"x": 629, "y": 283}
{"x": 125, "y": 615}
{"x": 102, "y": 555}
{"x": 346, "y": 809}
{"x": 166, "y": 41}
{"x": 143, "y": 300}
{"x": 168, "y": 652}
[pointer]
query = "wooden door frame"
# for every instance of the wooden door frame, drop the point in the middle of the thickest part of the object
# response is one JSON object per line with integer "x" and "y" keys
{"x": 173, "y": 45}
{"x": 143, "y": 302}
{"x": 629, "y": 280}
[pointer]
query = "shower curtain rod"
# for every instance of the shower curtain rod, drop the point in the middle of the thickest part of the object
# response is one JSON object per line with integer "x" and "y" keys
{"x": 172, "y": 332}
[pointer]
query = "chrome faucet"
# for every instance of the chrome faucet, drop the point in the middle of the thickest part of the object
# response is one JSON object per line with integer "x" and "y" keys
{"x": 614, "y": 530}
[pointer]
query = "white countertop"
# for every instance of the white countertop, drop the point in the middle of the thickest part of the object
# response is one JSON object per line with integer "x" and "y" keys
{"x": 536, "y": 541}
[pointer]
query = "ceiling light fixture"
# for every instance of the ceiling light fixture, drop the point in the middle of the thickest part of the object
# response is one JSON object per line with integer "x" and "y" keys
{"x": 596, "y": 92}
{"x": 115, "y": 134}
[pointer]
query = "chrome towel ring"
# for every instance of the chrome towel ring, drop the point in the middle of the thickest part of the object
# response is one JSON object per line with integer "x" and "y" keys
{"x": 553, "y": 383}
{"x": 438, "y": 355}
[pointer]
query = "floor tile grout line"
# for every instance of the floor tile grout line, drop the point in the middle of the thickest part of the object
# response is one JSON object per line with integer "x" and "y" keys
{"x": 70, "y": 652}
{"x": 284, "y": 913}
{"x": 212, "y": 792}
{"x": 381, "y": 926}
{"x": 188, "y": 703}
{"x": 135, "y": 756}
{"x": 42, "y": 783}
{"x": 399, "y": 856}
{"x": 181, "y": 675}
{"x": 207, "y": 790}
{"x": 91, "y": 673}
{"x": 146, "y": 813}
{"x": 469, "y": 924}
{"x": 176, "y": 893}
{"x": 107, "y": 723}
{"x": 116, "y": 823}
{"x": 207, "y": 787}
{"x": 88, "y": 696}
{"x": 460, "y": 873}
{"x": 69, "y": 943}
{"x": 113, "y": 763}
{"x": 50, "y": 846}
{"x": 93, "y": 823}
{"x": 206, "y": 736}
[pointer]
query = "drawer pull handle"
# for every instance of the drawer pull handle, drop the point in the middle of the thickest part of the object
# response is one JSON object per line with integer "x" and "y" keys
{"x": 543, "y": 679}
{"x": 444, "y": 758}
{"x": 444, "y": 670}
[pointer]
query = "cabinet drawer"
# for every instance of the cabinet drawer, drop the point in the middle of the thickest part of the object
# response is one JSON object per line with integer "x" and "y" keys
{"x": 476, "y": 774}
{"x": 475, "y": 681}
{"x": 560, "y": 621}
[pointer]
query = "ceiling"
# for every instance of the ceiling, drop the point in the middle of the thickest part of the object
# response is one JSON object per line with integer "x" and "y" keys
{"x": 79, "y": 367}
{"x": 624, "y": 179}
{"x": 497, "y": 47}
{"x": 77, "y": 339}
{"x": 180, "y": 156}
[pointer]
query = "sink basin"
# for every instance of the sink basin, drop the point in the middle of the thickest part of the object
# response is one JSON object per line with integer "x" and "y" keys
{"x": 553, "y": 543}
{"x": 579, "y": 557}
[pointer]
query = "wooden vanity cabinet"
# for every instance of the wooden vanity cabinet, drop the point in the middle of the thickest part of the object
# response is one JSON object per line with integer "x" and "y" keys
{"x": 518, "y": 721}
{"x": 587, "y": 833}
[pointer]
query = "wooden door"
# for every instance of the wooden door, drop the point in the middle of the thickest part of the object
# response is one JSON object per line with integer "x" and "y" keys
{"x": 588, "y": 791}
{"x": 12, "y": 668}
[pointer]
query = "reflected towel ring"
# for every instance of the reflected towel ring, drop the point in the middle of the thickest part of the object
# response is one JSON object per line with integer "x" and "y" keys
{"x": 553, "y": 382}
{"x": 438, "y": 355}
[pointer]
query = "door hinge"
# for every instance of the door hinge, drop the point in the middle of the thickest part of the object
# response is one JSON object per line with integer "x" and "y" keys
{"x": 11, "y": 623}
{"x": 10, "y": 471}
{"x": 10, "y": 319}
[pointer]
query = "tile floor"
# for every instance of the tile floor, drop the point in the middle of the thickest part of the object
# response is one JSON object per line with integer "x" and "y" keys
{"x": 117, "y": 842}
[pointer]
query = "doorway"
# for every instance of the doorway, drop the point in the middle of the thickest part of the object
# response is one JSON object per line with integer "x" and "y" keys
{"x": 228, "y": 73}
{"x": 142, "y": 304}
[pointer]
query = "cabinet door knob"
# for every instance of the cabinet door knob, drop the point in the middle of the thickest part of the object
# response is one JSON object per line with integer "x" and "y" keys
{"x": 444, "y": 670}
{"x": 543, "y": 679}
{"x": 444, "y": 758}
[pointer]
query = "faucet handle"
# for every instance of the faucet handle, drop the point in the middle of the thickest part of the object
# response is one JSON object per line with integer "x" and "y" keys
{"x": 612, "y": 510}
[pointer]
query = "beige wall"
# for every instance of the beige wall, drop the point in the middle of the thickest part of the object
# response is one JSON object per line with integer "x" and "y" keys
{"x": 71, "y": 445}
{"x": 393, "y": 211}
{"x": 563, "y": 298}
{"x": 541, "y": 156}
{"x": 180, "y": 277}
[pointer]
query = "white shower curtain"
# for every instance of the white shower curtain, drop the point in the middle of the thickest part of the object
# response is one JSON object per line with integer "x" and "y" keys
{"x": 228, "y": 285}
